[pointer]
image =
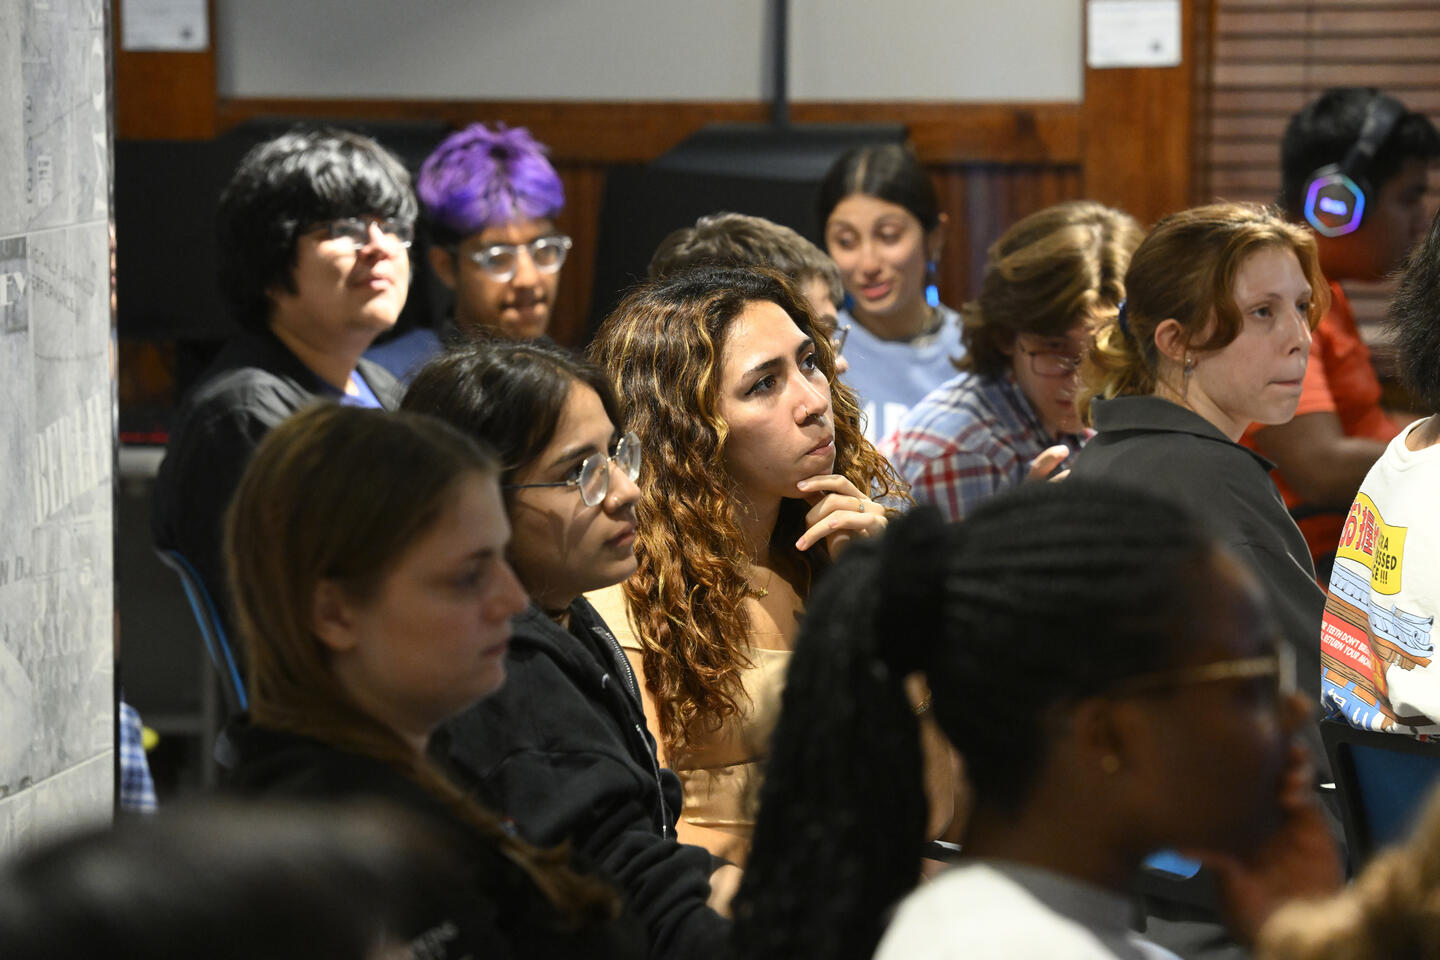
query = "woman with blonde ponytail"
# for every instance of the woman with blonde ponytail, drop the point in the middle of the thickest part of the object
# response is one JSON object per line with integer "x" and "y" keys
{"x": 367, "y": 563}
{"x": 1214, "y": 336}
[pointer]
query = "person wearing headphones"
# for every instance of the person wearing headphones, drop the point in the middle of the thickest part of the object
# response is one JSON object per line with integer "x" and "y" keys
{"x": 1354, "y": 165}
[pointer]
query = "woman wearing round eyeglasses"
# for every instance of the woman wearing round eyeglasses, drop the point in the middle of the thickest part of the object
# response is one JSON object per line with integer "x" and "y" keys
{"x": 563, "y": 747}
{"x": 1011, "y": 413}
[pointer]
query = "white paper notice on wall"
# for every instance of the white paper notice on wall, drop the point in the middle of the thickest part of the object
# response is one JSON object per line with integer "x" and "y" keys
{"x": 1132, "y": 33}
{"x": 164, "y": 25}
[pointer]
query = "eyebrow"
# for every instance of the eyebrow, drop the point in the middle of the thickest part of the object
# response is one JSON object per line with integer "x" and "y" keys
{"x": 572, "y": 453}
{"x": 766, "y": 366}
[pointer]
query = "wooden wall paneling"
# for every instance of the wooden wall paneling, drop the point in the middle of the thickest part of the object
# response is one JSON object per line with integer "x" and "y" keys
{"x": 1137, "y": 127}
{"x": 952, "y": 271}
{"x": 638, "y": 132}
{"x": 584, "y": 197}
{"x": 162, "y": 95}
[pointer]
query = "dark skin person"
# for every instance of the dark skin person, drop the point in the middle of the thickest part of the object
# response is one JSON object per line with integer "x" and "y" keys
{"x": 1210, "y": 767}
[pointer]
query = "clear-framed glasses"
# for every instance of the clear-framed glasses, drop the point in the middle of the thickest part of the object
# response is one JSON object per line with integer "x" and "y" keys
{"x": 500, "y": 261}
{"x": 1279, "y": 665}
{"x": 593, "y": 477}
{"x": 841, "y": 335}
{"x": 355, "y": 231}
{"x": 1052, "y": 363}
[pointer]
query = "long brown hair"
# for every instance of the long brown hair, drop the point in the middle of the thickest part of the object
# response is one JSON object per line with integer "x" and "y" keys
{"x": 338, "y": 493}
{"x": 662, "y": 346}
{"x": 1185, "y": 270}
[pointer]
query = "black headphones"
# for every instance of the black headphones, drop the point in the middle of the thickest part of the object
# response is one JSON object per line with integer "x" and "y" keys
{"x": 1335, "y": 195}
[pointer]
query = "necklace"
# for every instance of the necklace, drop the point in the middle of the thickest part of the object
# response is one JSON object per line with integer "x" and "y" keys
{"x": 760, "y": 593}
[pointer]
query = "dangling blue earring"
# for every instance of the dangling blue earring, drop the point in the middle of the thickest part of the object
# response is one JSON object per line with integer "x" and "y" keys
{"x": 932, "y": 292}
{"x": 848, "y": 304}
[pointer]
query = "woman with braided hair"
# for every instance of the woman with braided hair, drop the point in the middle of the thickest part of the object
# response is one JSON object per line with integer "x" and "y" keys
{"x": 1109, "y": 675}
{"x": 756, "y": 475}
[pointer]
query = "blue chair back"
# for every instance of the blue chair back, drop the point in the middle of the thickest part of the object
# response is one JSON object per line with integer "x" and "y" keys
{"x": 212, "y": 629}
{"x": 1382, "y": 780}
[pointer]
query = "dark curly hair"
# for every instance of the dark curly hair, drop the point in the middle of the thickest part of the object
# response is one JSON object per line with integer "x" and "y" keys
{"x": 662, "y": 346}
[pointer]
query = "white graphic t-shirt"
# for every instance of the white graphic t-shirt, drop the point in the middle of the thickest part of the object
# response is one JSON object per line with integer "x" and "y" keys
{"x": 1377, "y": 653}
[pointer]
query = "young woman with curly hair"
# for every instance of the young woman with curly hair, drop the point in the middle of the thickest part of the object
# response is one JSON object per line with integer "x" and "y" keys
{"x": 756, "y": 474}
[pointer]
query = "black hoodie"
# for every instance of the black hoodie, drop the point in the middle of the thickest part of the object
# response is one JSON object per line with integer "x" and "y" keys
{"x": 563, "y": 749}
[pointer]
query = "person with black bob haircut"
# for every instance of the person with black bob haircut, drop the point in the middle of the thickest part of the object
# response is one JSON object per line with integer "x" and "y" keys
{"x": 563, "y": 746}
{"x": 1109, "y": 674}
{"x": 313, "y": 234}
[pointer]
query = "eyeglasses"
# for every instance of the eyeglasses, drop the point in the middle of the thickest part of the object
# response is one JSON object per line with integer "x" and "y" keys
{"x": 594, "y": 476}
{"x": 355, "y": 231}
{"x": 1052, "y": 363}
{"x": 841, "y": 335}
{"x": 1280, "y": 665}
{"x": 501, "y": 261}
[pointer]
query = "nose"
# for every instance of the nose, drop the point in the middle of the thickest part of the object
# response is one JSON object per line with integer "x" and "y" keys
{"x": 1302, "y": 328}
{"x": 623, "y": 493}
{"x": 378, "y": 242}
{"x": 508, "y": 598}
{"x": 526, "y": 273}
{"x": 865, "y": 257}
{"x": 1295, "y": 710}
{"x": 812, "y": 398}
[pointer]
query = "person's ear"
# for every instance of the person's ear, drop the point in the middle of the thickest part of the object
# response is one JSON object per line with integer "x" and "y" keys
{"x": 1172, "y": 341}
{"x": 1109, "y": 736}
{"x": 935, "y": 239}
{"x": 332, "y": 617}
{"x": 442, "y": 261}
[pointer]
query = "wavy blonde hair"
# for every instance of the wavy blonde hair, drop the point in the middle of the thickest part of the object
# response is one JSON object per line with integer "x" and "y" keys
{"x": 1185, "y": 270}
{"x": 299, "y": 517}
{"x": 663, "y": 347}
{"x": 1061, "y": 266}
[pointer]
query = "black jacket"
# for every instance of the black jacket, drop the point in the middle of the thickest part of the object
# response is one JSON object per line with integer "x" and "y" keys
{"x": 1174, "y": 452}
{"x": 254, "y": 384}
{"x": 563, "y": 749}
{"x": 499, "y": 913}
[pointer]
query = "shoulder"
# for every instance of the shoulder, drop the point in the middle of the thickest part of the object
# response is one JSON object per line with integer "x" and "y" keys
{"x": 382, "y": 383}
{"x": 613, "y": 609}
{"x": 977, "y": 913}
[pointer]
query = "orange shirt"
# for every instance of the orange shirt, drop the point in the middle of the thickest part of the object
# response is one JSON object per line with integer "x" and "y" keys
{"x": 1341, "y": 380}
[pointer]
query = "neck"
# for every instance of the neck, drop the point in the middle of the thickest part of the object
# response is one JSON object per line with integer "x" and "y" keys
{"x": 914, "y": 320}
{"x": 1200, "y": 406}
{"x": 1054, "y": 839}
{"x": 333, "y": 363}
{"x": 757, "y": 526}
{"x": 1425, "y": 435}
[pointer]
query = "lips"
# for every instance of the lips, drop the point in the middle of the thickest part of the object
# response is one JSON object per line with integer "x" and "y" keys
{"x": 876, "y": 291}
{"x": 825, "y": 446}
{"x": 624, "y": 538}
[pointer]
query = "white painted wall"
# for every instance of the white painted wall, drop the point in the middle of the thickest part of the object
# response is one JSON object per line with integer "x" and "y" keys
{"x": 647, "y": 49}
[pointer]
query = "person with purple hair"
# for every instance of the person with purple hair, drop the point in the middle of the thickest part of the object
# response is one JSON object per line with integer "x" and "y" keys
{"x": 491, "y": 198}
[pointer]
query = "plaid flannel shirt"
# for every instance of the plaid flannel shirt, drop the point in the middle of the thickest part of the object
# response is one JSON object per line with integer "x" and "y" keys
{"x": 971, "y": 438}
